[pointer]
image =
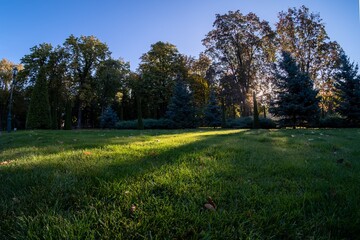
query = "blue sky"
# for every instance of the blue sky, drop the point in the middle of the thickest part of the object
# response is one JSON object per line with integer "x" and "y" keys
{"x": 129, "y": 27}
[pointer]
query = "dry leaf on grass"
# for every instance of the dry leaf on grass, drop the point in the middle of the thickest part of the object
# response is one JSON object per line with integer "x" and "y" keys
{"x": 132, "y": 209}
{"x": 210, "y": 205}
{"x": 87, "y": 153}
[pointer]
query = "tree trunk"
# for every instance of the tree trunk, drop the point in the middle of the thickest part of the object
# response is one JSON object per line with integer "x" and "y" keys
{"x": 139, "y": 113}
{"x": 223, "y": 114}
{"x": 79, "y": 125}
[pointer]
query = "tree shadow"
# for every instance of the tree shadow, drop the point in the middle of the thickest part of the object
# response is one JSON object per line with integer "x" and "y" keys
{"x": 252, "y": 175}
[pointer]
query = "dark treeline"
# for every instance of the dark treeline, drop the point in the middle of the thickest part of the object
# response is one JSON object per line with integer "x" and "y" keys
{"x": 291, "y": 72}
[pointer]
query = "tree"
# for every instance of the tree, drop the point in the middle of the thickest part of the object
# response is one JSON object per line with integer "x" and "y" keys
{"x": 213, "y": 112}
{"x": 36, "y": 65}
{"x": 348, "y": 90}
{"x": 240, "y": 45}
{"x": 181, "y": 110}
{"x": 136, "y": 83}
{"x": 6, "y": 68}
{"x": 256, "y": 123}
{"x": 85, "y": 55}
{"x": 39, "y": 110}
{"x": 111, "y": 81}
{"x": 296, "y": 102}
{"x": 159, "y": 68}
{"x": 303, "y": 34}
{"x": 59, "y": 85}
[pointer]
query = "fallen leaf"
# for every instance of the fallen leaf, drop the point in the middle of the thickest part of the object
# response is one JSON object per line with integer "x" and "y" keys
{"x": 210, "y": 201}
{"x": 132, "y": 209}
{"x": 87, "y": 153}
{"x": 209, "y": 207}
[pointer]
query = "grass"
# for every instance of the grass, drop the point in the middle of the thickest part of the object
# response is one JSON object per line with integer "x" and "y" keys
{"x": 267, "y": 184}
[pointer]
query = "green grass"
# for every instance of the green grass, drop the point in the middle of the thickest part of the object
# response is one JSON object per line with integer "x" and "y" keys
{"x": 267, "y": 184}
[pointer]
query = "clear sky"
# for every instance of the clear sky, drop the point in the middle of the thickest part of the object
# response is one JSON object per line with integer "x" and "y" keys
{"x": 129, "y": 27}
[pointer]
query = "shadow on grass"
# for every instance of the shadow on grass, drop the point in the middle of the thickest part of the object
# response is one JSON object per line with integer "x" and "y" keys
{"x": 259, "y": 184}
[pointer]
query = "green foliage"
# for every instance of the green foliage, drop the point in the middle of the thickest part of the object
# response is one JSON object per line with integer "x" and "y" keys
{"x": 212, "y": 112}
{"x": 348, "y": 90}
{"x": 333, "y": 121}
{"x": 248, "y": 122}
{"x": 111, "y": 77}
{"x": 159, "y": 68}
{"x": 39, "y": 110}
{"x": 181, "y": 109}
{"x": 234, "y": 36}
{"x": 296, "y": 102}
{"x": 161, "y": 123}
{"x": 68, "y": 116}
{"x": 82, "y": 184}
{"x": 109, "y": 118}
{"x": 85, "y": 55}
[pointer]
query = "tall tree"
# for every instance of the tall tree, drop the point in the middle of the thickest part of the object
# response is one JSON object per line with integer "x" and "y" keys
{"x": 303, "y": 34}
{"x": 36, "y": 65}
{"x": 198, "y": 82}
{"x": 86, "y": 53}
{"x": 159, "y": 68}
{"x": 296, "y": 101}
{"x": 111, "y": 79}
{"x": 239, "y": 45}
{"x": 348, "y": 90}
{"x": 59, "y": 85}
{"x": 39, "y": 110}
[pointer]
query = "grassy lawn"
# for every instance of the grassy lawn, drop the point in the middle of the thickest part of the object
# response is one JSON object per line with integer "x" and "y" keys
{"x": 266, "y": 184}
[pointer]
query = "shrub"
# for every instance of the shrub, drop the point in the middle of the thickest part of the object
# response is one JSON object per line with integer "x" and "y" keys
{"x": 109, "y": 118}
{"x": 247, "y": 122}
{"x": 333, "y": 121}
{"x": 148, "y": 124}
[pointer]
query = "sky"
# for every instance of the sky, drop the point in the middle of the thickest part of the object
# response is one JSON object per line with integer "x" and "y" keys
{"x": 129, "y": 27}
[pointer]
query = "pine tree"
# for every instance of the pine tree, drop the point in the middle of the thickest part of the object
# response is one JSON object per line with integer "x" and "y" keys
{"x": 348, "y": 90}
{"x": 108, "y": 118}
{"x": 181, "y": 109}
{"x": 39, "y": 110}
{"x": 213, "y": 112}
{"x": 296, "y": 102}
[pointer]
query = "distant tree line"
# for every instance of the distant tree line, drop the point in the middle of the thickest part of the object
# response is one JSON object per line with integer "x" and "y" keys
{"x": 293, "y": 73}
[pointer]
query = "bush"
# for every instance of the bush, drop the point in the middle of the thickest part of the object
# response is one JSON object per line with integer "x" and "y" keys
{"x": 333, "y": 121}
{"x": 148, "y": 124}
{"x": 109, "y": 118}
{"x": 267, "y": 123}
{"x": 247, "y": 122}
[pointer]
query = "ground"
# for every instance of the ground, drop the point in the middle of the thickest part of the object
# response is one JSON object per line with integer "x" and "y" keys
{"x": 265, "y": 184}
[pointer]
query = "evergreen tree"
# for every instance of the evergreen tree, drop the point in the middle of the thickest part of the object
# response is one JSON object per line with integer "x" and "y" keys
{"x": 108, "y": 118}
{"x": 296, "y": 102}
{"x": 181, "y": 110}
{"x": 348, "y": 90}
{"x": 213, "y": 112}
{"x": 39, "y": 110}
